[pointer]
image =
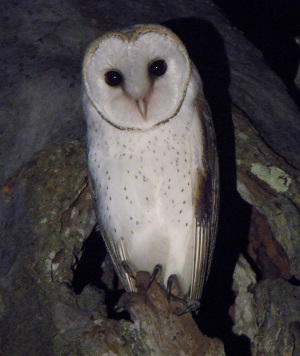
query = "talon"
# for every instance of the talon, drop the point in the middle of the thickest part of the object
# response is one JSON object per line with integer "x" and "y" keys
{"x": 193, "y": 307}
{"x": 156, "y": 270}
{"x": 127, "y": 269}
{"x": 172, "y": 278}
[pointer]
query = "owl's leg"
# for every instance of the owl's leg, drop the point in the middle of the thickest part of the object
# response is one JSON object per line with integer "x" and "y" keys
{"x": 127, "y": 269}
{"x": 156, "y": 271}
{"x": 193, "y": 306}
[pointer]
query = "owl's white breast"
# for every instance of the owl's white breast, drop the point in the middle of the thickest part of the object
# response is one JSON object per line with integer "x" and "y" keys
{"x": 145, "y": 182}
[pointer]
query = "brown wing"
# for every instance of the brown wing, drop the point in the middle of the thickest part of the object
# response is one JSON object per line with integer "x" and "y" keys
{"x": 207, "y": 206}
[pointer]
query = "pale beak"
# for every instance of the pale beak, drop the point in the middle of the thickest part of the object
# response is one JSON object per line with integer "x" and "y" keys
{"x": 142, "y": 105}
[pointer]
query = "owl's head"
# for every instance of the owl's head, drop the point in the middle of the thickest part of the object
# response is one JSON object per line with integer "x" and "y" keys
{"x": 138, "y": 78}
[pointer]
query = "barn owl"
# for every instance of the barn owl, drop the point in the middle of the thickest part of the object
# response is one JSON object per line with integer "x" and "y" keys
{"x": 151, "y": 155}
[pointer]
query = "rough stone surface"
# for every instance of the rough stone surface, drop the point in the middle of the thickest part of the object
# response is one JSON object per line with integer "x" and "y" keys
{"x": 267, "y": 310}
{"x": 275, "y": 195}
{"x": 39, "y": 247}
{"x": 244, "y": 280}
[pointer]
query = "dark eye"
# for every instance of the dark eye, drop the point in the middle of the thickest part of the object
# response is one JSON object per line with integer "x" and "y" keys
{"x": 113, "y": 78}
{"x": 158, "y": 68}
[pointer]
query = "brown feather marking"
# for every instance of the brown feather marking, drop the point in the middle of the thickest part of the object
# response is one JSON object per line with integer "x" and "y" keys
{"x": 206, "y": 202}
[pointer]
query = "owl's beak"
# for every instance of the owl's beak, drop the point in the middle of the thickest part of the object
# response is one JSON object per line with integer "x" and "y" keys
{"x": 142, "y": 105}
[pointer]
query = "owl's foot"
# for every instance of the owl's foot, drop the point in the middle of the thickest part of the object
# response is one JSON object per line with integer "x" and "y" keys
{"x": 153, "y": 314}
{"x": 127, "y": 269}
{"x": 156, "y": 296}
{"x": 193, "y": 306}
{"x": 155, "y": 273}
{"x": 171, "y": 282}
{"x": 144, "y": 282}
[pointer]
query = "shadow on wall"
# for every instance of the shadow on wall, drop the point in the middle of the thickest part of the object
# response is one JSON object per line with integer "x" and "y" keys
{"x": 271, "y": 25}
{"x": 206, "y": 49}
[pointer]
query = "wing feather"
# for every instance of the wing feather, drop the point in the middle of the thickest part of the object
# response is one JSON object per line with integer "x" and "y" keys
{"x": 207, "y": 206}
{"x": 117, "y": 253}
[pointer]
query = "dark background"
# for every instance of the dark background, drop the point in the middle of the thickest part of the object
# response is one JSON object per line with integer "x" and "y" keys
{"x": 271, "y": 26}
